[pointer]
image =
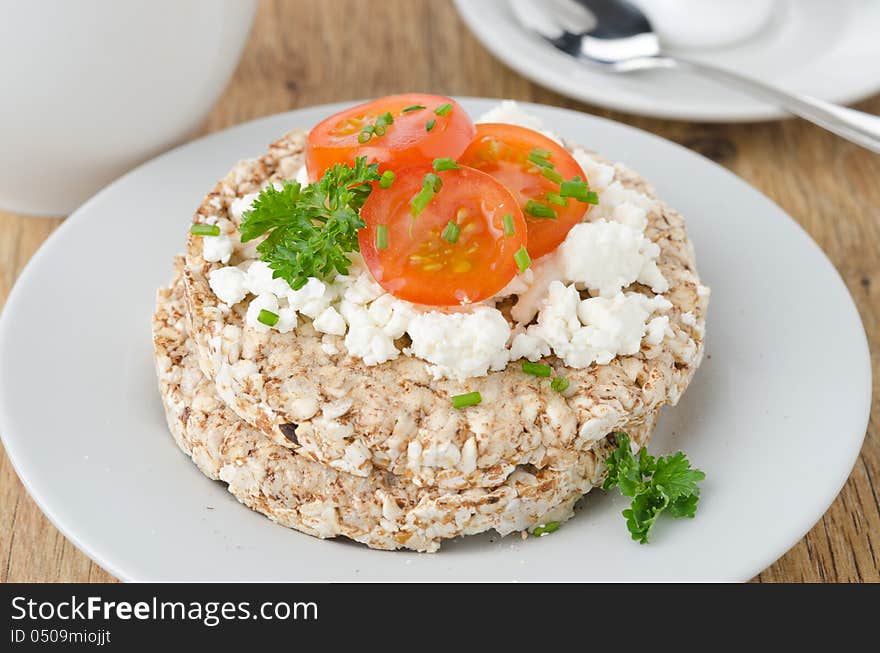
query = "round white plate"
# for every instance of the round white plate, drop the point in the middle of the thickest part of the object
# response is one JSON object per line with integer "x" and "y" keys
{"x": 775, "y": 416}
{"x": 826, "y": 49}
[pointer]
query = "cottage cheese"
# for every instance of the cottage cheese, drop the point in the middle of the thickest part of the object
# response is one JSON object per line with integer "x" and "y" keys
{"x": 607, "y": 256}
{"x": 461, "y": 345}
{"x": 228, "y": 284}
{"x": 217, "y": 248}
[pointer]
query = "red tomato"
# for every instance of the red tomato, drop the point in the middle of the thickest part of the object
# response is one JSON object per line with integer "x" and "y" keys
{"x": 416, "y": 136}
{"x": 412, "y": 259}
{"x": 502, "y": 151}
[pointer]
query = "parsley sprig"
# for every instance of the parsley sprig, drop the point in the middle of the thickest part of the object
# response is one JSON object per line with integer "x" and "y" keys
{"x": 655, "y": 485}
{"x": 311, "y": 229}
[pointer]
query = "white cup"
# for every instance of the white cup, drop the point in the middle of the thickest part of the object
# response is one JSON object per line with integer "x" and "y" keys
{"x": 706, "y": 24}
{"x": 92, "y": 87}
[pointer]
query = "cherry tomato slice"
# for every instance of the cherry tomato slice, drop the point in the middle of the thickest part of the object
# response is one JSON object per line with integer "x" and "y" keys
{"x": 424, "y": 128}
{"x": 422, "y": 258}
{"x": 503, "y": 151}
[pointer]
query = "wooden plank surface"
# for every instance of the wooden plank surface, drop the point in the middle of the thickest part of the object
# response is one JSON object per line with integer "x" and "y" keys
{"x": 305, "y": 52}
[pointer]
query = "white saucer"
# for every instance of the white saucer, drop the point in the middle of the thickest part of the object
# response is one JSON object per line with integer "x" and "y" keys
{"x": 776, "y": 414}
{"x": 822, "y": 48}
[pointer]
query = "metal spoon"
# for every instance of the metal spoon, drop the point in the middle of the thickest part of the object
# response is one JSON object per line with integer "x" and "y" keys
{"x": 617, "y": 37}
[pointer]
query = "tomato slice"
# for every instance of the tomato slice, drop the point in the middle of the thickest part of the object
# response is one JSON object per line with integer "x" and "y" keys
{"x": 414, "y": 257}
{"x": 503, "y": 151}
{"x": 424, "y": 127}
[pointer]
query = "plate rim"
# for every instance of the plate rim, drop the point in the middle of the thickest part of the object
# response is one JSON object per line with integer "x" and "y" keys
{"x": 107, "y": 561}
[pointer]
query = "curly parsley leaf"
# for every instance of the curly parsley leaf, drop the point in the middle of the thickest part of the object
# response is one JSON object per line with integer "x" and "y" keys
{"x": 667, "y": 483}
{"x": 310, "y": 230}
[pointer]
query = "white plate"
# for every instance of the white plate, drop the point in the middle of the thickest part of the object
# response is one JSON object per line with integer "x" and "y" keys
{"x": 822, "y": 48}
{"x": 775, "y": 416}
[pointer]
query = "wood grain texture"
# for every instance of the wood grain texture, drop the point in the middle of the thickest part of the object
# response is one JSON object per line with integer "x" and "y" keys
{"x": 305, "y": 52}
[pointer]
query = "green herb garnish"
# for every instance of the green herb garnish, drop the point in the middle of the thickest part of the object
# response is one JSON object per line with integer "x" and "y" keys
{"x": 205, "y": 230}
{"x": 430, "y": 186}
{"x": 557, "y": 199}
{"x": 539, "y": 210}
{"x": 552, "y": 175}
{"x": 430, "y": 124}
{"x": 386, "y": 179}
{"x": 445, "y": 163}
{"x": 509, "y": 227}
{"x": 311, "y": 230}
{"x": 413, "y": 107}
{"x": 666, "y": 483}
{"x": 451, "y": 232}
{"x": 522, "y": 258}
{"x": 467, "y": 399}
{"x": 545, "y": 529}
{"x": 536, "y": 369}
{"x": 579, "y": 190}
{"x": 559, "y": 384}
{"x": 381, "y": 236}
{"x": 267, "y": 317}
{"x": 443, "y": 109}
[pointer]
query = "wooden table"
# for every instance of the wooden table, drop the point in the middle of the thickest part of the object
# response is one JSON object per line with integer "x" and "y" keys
{"x": 305, "y": 52}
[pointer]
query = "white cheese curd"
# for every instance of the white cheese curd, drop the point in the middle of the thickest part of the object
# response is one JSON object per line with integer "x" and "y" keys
{"x": 657, "y": 330}
{"x": 594, "y": 330}
{"x": 258, "y": 280}
{"x": 366, "y": 339}
{"x": 268, "y": 302}
{"x": 509, "y": 112}
{"x": 217, "y": 249}
{"x": 544, "y": 271}
{"x": 616, "y": 326}
{"x": 461, "y": 345}
{"x": 362, "y": 289}
{"x": 330, "y": 321}
{"x": 228, "y": 284}
{"x": 528, "y": 345}
{"x": 310, "y": 300}
{"x": 607, "y": 256}
{"x": 287, "y": 320}
{"x": 241, "y": 204}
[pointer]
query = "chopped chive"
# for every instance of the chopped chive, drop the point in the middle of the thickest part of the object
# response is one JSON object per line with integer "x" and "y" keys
{"x": 559, "y": 384}
{"x": 539, "y": 161}
{"x": 546, "y": 529}
{"x": 536, "y": 369}
{"x": 557, "y": 199}
{"x": 379, "y": 130}
{"x": 544, "y": 154}
{"x": 509, "y": 228}
{"x": 365, "y": 136}
{"x": 522, "y": 258}
{"x": 413, "y": 107}
{"x": 267, "y": 317}
{"x": 381, "y": 236}
{"x": 386, "y": 179}
{"x": 467, "y": 399}
{"x": 552, "y": 175}
{"x": 434, "y": 180}
{"x": 574, "y": 188}
{"x": 451, "y": 232}
{"x": 539, "y": 210}
{"x": 385, "y": 119}
{"x": 592, "y": 198}
{"x": 443, "y": 109}
{"x": 205, "y": 230}
{"x": 430, "y": 186}
{"x": 445, "y": 163}
{"x": 430, "y": 124}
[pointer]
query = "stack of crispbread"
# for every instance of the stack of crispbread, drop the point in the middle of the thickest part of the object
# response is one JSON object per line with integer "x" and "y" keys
{"x": 320, "y": 442}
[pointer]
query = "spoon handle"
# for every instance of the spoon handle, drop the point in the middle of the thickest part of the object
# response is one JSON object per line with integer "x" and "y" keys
{"x": 856, "y": 126}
